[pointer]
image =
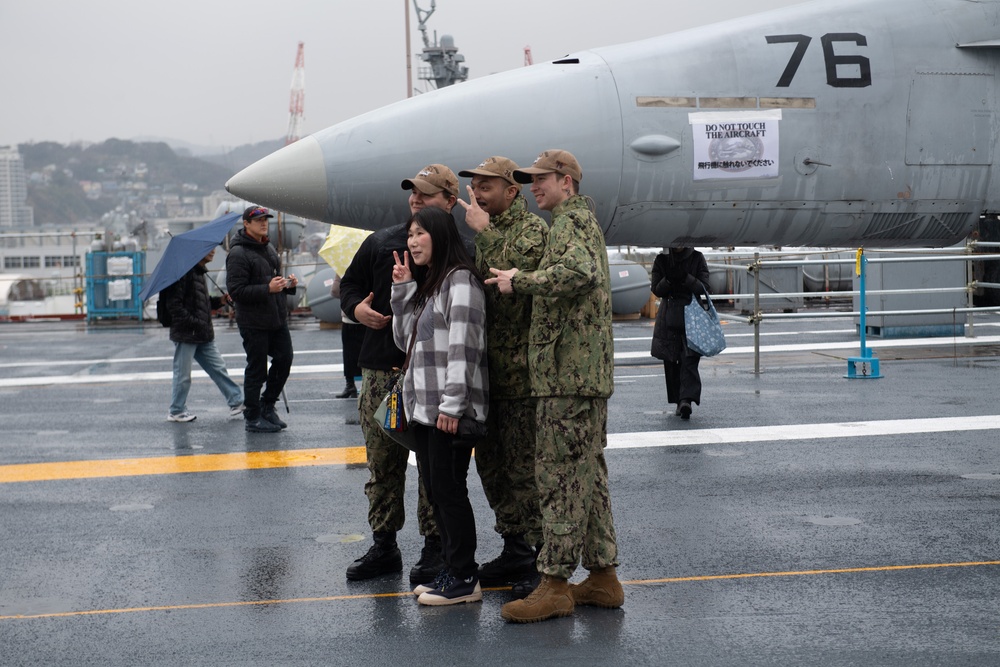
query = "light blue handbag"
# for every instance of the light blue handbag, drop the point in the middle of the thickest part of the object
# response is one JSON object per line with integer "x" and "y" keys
{"x": 701, "y": 326}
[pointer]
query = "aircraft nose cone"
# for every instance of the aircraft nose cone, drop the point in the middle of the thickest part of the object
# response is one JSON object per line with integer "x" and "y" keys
{"x": 292, "y": 180}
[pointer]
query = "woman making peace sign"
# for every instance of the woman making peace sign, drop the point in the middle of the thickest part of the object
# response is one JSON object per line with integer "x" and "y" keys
{"x": 446, "y": 380}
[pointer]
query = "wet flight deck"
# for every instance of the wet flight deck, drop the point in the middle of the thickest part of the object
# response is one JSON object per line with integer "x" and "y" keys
{"x": 798, "y": 518}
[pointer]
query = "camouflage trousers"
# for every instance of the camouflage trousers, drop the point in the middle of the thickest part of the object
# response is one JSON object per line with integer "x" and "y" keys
{"x": 387, "y": 465}
{"x": 505, "y": 460}
{"x": 572, "y": 481}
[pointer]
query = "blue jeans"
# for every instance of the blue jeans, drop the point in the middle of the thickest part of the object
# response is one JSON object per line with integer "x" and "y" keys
{"x": 208, "y": 358}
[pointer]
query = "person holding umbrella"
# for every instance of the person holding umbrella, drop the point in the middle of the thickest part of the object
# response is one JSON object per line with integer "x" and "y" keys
{"x": 190, "y": 307}
{"x": 338, "y": 250}
{"x": 180, "y": 276}
{"x": 254, "y": 280}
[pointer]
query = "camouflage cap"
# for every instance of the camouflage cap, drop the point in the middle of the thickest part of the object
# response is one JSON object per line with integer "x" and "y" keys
{"x": 433, "y": 178}
{"x": 494, "y": 166}
{"x": 553, "y": 160}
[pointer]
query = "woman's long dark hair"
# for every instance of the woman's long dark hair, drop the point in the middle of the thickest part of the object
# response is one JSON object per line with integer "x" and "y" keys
{"x": 448, "y": 250}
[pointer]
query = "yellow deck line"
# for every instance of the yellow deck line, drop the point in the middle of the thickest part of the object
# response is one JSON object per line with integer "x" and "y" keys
{"x": 169, "y": 465}
{"x": 799, "y": 573}
{"x": 407, "y": 594}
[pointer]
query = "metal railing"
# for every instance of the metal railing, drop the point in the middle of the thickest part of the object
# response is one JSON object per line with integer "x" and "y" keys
{"x": 757, "y": 261}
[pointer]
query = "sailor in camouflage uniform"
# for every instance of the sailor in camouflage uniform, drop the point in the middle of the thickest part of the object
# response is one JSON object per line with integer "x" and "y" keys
{"x": 507, "y": 236}
{"x": 571, "y": 363}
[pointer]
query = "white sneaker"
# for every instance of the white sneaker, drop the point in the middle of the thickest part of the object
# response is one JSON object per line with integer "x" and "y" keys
{"x": 453, "y": 591}
{"x": 438, "y": 580}
{"x": 182, "y": 417}
{"x": 237, "y": 411}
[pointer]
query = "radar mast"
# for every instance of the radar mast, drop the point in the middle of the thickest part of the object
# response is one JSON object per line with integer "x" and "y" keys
{"x": 445, "y": 63}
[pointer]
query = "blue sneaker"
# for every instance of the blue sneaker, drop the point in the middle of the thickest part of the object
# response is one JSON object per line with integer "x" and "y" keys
{"x": 438, "y": 580}
{"x": 453, "y": 591}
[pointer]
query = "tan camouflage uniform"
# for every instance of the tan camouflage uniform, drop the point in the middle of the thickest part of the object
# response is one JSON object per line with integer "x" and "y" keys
{"x": 571, "y": 363}
{"x": 387, "y": 462}
{"x": 506, "y": 460}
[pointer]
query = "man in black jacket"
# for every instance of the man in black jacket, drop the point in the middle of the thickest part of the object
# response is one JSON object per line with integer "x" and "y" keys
{"x": 190, "y": 308}
{"x": 364, "y": 296}
{"x": 254, "y": 280}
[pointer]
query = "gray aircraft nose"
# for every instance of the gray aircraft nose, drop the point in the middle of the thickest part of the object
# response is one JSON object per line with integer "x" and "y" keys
{"x": 350, "y": 173}
{"x": 292, "y": 180}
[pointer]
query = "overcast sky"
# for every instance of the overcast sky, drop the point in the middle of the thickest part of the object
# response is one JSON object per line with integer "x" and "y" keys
{"x": 218, "y": 73}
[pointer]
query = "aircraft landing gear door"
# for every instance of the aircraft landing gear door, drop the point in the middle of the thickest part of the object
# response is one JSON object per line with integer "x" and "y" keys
{"x": 950, "y": 119}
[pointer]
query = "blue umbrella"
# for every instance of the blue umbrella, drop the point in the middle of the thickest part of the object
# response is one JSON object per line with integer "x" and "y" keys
{"x": 184, "y": 251}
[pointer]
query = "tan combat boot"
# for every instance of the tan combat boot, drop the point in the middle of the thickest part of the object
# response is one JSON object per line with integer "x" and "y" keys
{"x": 551, "y": 599}
{"x": 601, "y": 588}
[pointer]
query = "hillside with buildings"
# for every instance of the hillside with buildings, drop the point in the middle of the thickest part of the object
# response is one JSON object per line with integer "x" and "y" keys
{"x": 57, "y": 201}
{"x": 77, "y": 184}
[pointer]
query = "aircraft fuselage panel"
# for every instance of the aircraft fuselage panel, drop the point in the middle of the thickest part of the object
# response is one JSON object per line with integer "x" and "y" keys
{"x": 861, "y": 122}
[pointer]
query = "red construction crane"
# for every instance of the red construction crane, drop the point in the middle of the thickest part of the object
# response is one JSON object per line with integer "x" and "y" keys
{"x": 296, "y": 107}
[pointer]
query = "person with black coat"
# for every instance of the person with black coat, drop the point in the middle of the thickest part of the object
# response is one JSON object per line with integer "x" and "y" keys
{"x": 365, "y": 291}
{"x": 676, "y": 276}
{"x": 254, "y": 280}
{"x": 190, "y": 307}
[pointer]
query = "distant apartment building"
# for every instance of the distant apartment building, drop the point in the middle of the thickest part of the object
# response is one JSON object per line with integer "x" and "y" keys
{"x": 91, "y": 190}
{"x": 14, "y": 213}
{"x": 220, "y": 202}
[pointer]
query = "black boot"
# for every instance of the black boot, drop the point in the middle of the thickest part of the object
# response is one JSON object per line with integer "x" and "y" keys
{"x": 430, "y": 564}
{"x": 350, "y": 391}
{"x": 257, "y": 424}
{"x": 527, "y": 584}
{"x": 382, "y": 558}
{"x": 267, "y": 412}
{"x": 515, "y": 562}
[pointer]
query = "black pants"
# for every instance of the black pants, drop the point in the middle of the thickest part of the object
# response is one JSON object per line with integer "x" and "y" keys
{"x": 351, "y": 337}
{"x": 444, "y": 469}
{"x": 683, "y": 380}
{"x": 260, "y": 344}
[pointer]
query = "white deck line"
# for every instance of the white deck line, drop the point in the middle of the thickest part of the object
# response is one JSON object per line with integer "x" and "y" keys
{"x": 789, "y": 432}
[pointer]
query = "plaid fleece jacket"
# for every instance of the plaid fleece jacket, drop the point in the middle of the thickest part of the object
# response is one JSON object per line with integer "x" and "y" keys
{"x": 448, "y": 368}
